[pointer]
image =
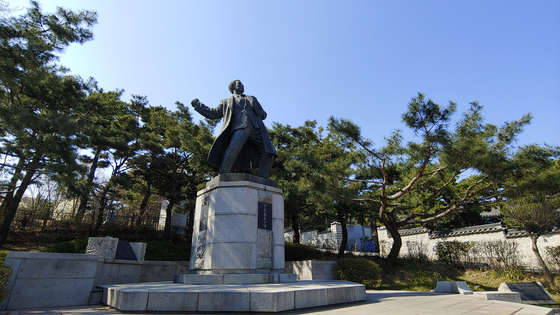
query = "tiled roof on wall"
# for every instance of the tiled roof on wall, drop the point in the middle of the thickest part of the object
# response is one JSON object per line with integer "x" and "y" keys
{"x": 477, "y": 229}
{"x": 511, "y": 233}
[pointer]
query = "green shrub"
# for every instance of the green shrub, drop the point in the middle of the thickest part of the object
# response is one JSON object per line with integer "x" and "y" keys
{"x": 502, "y": 254}
{"x": 5, "y": 273}
{"x": 3, "y": 254}
{"x": 553, "y": 253}
{"x": 164, "y": 251}
{"x": 75, "y": 246}
{"x": 298, "y": 252}
{"x": 453, "y": 251}
{"x": 359, "y": 270}
{"x": 516, "y": 274}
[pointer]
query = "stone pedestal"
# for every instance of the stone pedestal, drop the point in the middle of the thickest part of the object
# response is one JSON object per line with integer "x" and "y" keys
{"x": 239, "y": 227}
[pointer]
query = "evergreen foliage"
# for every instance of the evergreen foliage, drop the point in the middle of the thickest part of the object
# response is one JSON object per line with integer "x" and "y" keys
{"x": 165, "y": 251}
{"x": 68, "y": 129}
{"x": 40, "y": 106}
{"x": 308, "y": 157}
{"x": 532, "y": 200}
{"x": 445, "y": 171}
{"x": 76, "y": 246}
{"x": 359, "y": 270}
{"x": 298, "y": 252}
{"x": 453, "y": 251}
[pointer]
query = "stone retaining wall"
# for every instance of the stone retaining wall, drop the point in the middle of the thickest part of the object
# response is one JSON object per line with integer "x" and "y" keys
{"x": 312, "y": 269}
{"x": 42, "y": 280}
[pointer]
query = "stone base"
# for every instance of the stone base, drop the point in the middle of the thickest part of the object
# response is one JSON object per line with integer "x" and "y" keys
{"x": 276, "y": 297}
{"x": 312, "y": 269}
{"x": 238, "y": 228}
{"x": 457, "y": 287}
{"x": 500, "y": 296}
{"x": 235, "y": 278}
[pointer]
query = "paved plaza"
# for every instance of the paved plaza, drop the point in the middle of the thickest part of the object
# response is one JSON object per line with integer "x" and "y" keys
{"x": 377, "y": 302}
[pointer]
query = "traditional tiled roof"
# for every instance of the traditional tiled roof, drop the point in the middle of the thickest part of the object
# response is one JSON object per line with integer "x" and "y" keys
{"x": 494, "y": 213}
{"x": 511, "y": 233}
{"x": 418, "y": 230}
{"x": 477, "y": 229}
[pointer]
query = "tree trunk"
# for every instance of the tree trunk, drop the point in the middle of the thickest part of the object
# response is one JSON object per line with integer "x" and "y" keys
{"x": 375, "y": 237}
{"x": 14, "y": 203}
{"x": 190, "y": 224}
{"x": 546, "y": 271}
{"x": 342, "y": 246}
{"x": 102, "y": 205}
{"x": 103, "y": 199}
{"x": 84, "y": 199}
{"x": 144, "y": 203}
{"x": 295, "y": 225}
{"x": 11, "y": 188}
{"x": 391, "y": 225}
{"x": 167, "y": 229}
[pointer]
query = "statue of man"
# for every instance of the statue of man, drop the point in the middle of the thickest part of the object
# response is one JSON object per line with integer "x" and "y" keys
{"x": 243, "y": 142}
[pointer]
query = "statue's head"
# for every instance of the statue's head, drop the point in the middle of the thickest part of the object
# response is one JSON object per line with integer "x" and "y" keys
{"x": 234, "y": 86}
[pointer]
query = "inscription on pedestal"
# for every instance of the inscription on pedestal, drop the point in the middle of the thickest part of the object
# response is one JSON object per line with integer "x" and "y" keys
{"x": 200, "y": 249}
{"x": 264, "y": 249}
{"x": 204, "y": 215}
{"x": 201, "y": 237}
{"x": 265, "y": 216}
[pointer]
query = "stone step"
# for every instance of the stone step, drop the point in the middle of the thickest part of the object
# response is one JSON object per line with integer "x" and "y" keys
{"x": 238, "y": 278}
{"x": 275, "y": 297}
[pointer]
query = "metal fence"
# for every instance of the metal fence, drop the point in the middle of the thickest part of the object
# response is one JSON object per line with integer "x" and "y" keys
{"x": 35, "y": 221}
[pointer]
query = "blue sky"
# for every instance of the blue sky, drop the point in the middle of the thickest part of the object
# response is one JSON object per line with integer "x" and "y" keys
{"x": 312, "y": 59}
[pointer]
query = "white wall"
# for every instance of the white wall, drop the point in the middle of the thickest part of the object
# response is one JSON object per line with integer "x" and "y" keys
{"x": 492, "y": 234}
{"x": 329, "y": 239}
{"x": 421, "y": 239}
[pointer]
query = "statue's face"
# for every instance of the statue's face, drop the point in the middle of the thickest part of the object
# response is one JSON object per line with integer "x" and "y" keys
{"x": 238, "y": 86}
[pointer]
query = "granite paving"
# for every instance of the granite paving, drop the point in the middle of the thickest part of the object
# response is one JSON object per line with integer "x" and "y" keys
{"x": 377, "y": 302}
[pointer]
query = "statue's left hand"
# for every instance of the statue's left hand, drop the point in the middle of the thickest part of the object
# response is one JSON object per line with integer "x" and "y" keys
{"x": 195, "y": 102}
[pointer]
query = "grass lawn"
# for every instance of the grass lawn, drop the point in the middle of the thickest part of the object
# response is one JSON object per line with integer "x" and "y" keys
{"x": 418, "y": 275}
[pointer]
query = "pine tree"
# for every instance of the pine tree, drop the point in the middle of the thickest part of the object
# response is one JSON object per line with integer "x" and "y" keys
{"x": 40, "y": 105}
{"x": 444, "y": 172}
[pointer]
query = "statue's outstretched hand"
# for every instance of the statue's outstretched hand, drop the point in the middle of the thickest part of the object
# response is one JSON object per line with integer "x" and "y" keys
{"x": 195, "y": 102}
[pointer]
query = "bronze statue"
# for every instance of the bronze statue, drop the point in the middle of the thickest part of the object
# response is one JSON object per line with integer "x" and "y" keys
{"x": 243, "y": 142}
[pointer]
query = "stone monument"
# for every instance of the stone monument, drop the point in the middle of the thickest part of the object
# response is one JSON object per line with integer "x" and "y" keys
{"x": 529, "y": 292}
{"x": 239, "y": 218}
{"x": 237, "y": 253}
{"x": 114, "y": 250}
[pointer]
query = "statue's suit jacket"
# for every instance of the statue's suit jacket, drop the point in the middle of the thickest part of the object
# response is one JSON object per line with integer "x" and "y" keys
{"x": 249, "y": 156}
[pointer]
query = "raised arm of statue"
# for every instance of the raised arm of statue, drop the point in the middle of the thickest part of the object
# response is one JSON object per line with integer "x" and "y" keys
{"x": 210, "y": 113}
